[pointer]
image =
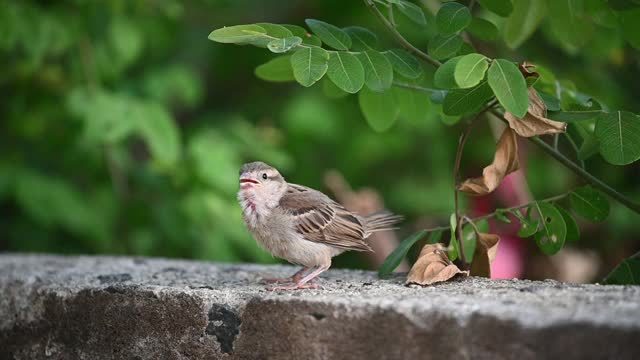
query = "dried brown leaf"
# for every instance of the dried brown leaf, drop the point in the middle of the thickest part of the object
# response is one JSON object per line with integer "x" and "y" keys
{"x": 485, "y": 254}
{"x": 535, "y": 122}
{"x": 433, "y": 266}
{"x": 505, "y": 162}
{"x": 526, "y": 70}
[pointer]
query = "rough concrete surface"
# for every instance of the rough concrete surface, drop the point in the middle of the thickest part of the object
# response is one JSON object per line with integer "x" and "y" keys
{"x": 54, "y": 307}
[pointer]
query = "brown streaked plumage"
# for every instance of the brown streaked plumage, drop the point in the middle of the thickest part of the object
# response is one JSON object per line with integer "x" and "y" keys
{"x": 300, "y": 224}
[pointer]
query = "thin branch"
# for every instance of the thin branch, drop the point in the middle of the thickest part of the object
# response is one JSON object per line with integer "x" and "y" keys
{"x": 401, "y": 40}
{"x": 415, "y": 87}
{"x": 493, "y": 214}
{"x": 392, "y": 19}
{"x": 456, "y": 172}
{"x": 597, "y": 183}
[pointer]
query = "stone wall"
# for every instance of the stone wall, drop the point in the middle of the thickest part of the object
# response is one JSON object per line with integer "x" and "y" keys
{"x": 54, "y": 307}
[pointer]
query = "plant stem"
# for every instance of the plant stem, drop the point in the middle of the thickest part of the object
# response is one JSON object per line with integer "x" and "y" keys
{"x": 414, "y": 87}
{"x": 597, "y": 183}
{"x": 493, "y": 214}
{"x": 456, "y": 172}
{"x": 399, "y": 38}
{"x": 392, "y": 20}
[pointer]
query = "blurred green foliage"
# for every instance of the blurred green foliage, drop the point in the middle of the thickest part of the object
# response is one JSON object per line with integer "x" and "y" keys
{"x": 123, "y": 127}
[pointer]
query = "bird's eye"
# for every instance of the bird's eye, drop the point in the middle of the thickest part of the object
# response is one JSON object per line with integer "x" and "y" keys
{"x": 264, "y": 176}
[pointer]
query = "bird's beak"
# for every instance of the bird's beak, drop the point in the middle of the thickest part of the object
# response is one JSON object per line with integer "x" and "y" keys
{"x": 247, "y": 179}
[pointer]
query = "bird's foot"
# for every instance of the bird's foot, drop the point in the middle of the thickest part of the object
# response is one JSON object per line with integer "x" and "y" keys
{"x": 296, "y": 286}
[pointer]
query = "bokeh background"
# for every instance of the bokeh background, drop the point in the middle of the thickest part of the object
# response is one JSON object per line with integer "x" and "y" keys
{"x": 123, "y": 128}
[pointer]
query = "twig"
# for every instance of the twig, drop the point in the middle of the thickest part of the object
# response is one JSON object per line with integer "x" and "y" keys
{"x": 493, "y": 214}
{"x": 401, "y": 40}
{"x": 456, "y": 171}
{"x": 392, "y": 19}
{"x": 414, "y": 87}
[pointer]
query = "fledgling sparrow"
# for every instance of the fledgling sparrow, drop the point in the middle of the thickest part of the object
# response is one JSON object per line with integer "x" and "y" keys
{"x": 300, "y": 224}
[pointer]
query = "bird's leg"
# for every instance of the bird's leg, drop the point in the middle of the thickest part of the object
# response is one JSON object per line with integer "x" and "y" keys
{"x": 304, "y": 282}
{"x": 293, "y": 279}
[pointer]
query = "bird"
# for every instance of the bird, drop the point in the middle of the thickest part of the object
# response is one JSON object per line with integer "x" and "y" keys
{"x": 301, "y": 225}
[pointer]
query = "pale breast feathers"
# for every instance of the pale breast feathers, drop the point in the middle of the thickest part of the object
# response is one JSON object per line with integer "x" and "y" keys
{"x": 322, "y": 220}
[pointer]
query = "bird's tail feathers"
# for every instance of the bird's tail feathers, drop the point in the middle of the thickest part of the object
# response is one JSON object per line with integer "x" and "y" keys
{"x": 381, "y": 221}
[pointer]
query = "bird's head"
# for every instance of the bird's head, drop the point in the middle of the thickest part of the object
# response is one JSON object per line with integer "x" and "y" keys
{"x": 262, "y": 182}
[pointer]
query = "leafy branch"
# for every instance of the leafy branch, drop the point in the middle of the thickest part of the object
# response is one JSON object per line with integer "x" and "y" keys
{"x": 466, "y": 84}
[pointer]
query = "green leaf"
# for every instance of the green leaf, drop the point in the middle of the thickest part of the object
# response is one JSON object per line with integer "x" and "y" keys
{"x": 284, "y": 44}
{"x": 238, "y": 34}
{"x": 502, "y": 216}
{"x": 395, "y": 258}
{"x": 307, "y": 38}
{"x": 619, "y": 135}
{"x": 470, "y": 70}
{"x": 508, "y": 84}
{"x": 630, "y": 26}
{"x": 159, "y": 131}
{"x": 589, "y": 147}
{"x": 567, "y": 24}
{"x": 379, "y": 109}
{"x": 404, "y": 63}
{"x": 346, "y": 71}
{"x": 573, "y": 116}
{"x": 453, "y": 223}
{"x": 573, "y": 231}
{"x": 309, "y": 65}
{"x": 412, "y": 105}
{"x": 435, "y": 237}
{"x": 552, "y": 103}
{"x": 469, "y": 240}
{"x": 589, "y": 203}
{"x": 483, "y": 29}
{"x": 499, "y": 7}
{"x": 626, "y": 273}
{"x": 275, "y": 30}
{"x": 277, "y": 69}
{"x": 452, "y": 18}
{"x": 330, "y": 34}
{"x": 551, "y": 237}
{"x": 444, "y": 75}
{"x": 443, "y": 47}
{"x": 437, "y": 97}
{"x": 623, "y": 4}
{"x": 528, "y": 226}
{"x": 523, "y": 21}
{"x": 361, "y": 39}
{"x": 466, "y": 101}
{"x": 378, "y": 72}
{"x": 331, "y": 90}
{"x": 412, "y": 11}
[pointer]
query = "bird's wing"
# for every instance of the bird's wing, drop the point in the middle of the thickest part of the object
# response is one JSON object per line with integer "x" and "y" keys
{"x": 322, "y": 220}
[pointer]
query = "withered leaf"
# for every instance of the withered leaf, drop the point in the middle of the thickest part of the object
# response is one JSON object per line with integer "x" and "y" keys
{"x": 505, "y": 162}
{"x": 485, "y": 254}
{"x": 535, "y": 122}
{"x": 433, "y": 266}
